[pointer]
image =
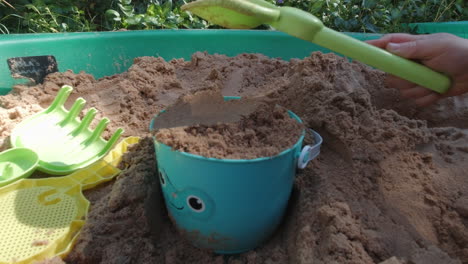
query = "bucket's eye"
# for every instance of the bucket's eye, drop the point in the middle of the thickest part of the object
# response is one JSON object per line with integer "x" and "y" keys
{"x": 195, "y": 203}
{"x": 162, "y": 179}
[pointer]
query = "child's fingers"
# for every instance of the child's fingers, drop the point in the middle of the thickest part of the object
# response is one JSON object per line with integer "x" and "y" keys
{"x": 417, "y": 49}
{"x": 428, "y": 99}
{"x": 398, "y": 83}
{"x": 380, "y": 43}
{"x": 402, "y": 37}
{"x": 415, "y": 92}
{"x": 394, "y": 38}
{"x": 459, "y": 87}
{"x": 420, "y": 95}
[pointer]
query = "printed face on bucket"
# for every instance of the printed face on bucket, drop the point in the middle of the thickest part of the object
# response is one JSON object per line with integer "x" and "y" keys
{"x": 190, "y": 201}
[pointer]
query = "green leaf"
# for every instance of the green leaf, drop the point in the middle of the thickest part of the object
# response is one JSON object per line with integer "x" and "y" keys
{"x": 152, "y": 20}
{"x": 370, "y": 4}
{"x": 64, "y": 27}
{"x": 316, "y": 6}
{"x": 32, "y": 7}
{"x": 395, "y": 13}
{"x": 151, "y": 10}
{"x": 371, "y": 27}
{"x": 167, "y": 7}
{"x": 112, "y": 15}
{"x": 134, "y": 20}
{"x": 4, "y": 29}
{"x": 127, "y": 10}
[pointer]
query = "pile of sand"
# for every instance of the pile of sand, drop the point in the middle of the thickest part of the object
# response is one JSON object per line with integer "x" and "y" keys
{"x": 204, "y": 124}
{"x": 389, "y": 185}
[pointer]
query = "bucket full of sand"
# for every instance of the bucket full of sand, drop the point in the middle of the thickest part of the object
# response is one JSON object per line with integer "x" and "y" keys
{"x": 227, "y": 179}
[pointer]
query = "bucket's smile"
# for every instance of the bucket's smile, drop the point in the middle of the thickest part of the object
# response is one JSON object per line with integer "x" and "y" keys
{"x": 178, "y": 208}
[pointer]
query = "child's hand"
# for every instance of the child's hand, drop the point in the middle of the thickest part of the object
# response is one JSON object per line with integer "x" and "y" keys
{"x": 442, "y": 52}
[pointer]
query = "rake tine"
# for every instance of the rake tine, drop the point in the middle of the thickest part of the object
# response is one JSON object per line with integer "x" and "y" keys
{"x": 113, "y": 139}
{"x": 74, "y": 111}
{"x": 60, "y": 99}
{"x": 98, "y": 131}
{"x": 86, "y": 121}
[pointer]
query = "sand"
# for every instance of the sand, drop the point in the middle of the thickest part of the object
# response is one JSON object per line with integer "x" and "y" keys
{"x": 247, "y": 128}
{"x": 389, "y": 186}
{"x": 206, "y": 107}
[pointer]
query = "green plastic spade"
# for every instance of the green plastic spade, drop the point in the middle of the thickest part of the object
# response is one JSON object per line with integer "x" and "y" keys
{"x": 244, "y": 14}
{"x": 16, "y": 163}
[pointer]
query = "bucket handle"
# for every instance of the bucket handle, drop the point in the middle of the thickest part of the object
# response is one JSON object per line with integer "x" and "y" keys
{"x": 310, "y": 152}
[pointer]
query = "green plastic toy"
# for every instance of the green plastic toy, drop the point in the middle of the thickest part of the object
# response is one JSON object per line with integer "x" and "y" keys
{"x": 16, "y": 163}
{"x": 62, "y": 142}
{"x": 244, "y": 14}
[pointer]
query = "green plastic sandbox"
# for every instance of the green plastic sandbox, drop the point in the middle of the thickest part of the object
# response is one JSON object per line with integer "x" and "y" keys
{"x": 107, "y": 53}
{"x": 458, "y": 28}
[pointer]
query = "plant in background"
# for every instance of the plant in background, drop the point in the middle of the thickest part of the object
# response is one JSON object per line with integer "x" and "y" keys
{"x": 3, "y": 28}
{"x": 374, "y": 16}
{"x": 39, "y": 16}
{"x": 151, "y": 14}
{"x": 4, "y": 2}
{"x": 380, "y": 16}
{"x": 348, "y": 15}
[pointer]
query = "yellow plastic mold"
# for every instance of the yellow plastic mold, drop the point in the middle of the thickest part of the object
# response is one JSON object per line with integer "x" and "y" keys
{"x": 41, "y": 218}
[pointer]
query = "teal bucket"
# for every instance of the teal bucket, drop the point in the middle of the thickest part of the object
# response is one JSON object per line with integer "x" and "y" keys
{"x": 225, "y": 205}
